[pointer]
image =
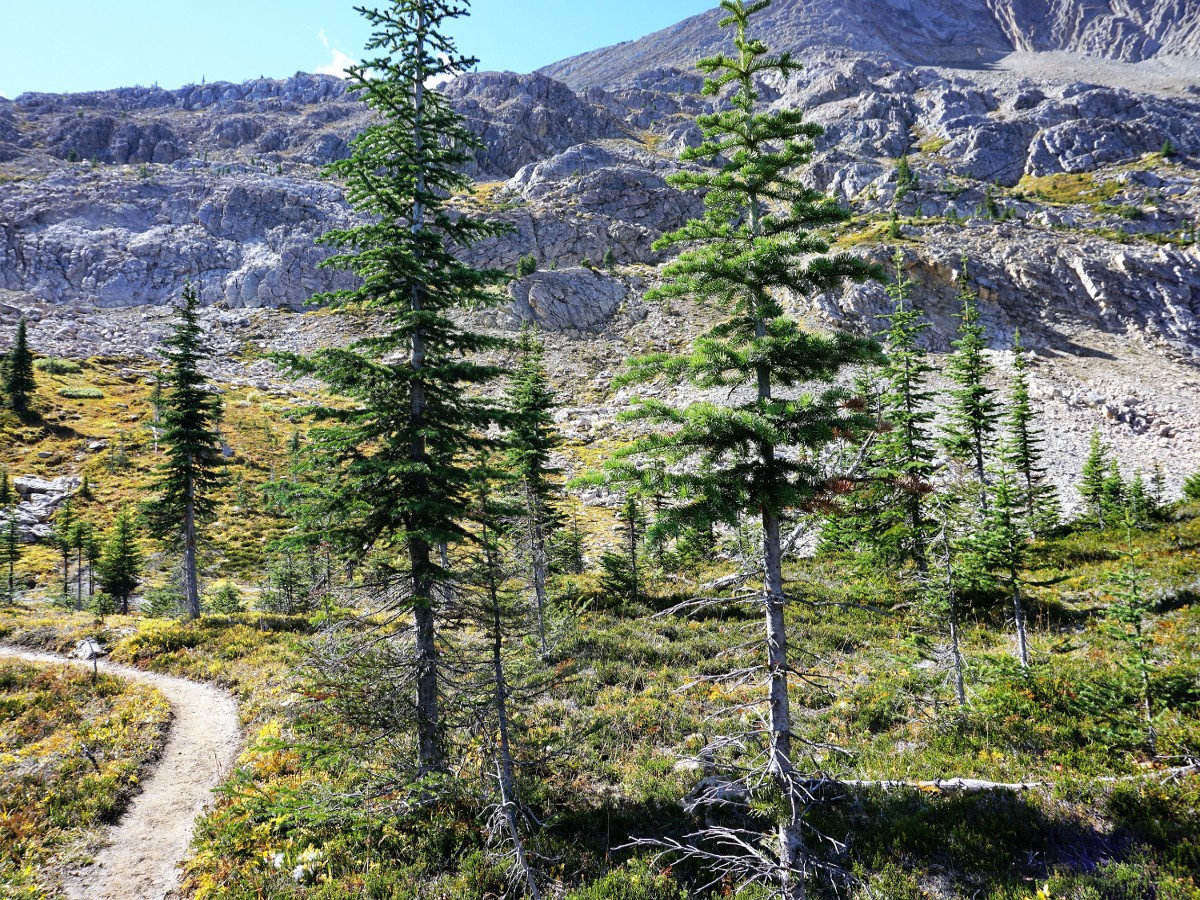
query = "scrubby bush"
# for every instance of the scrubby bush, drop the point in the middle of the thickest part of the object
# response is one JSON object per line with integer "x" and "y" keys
{"x": 224, "y": 599}
{"x": 1191, "y": 487}
{"x": 163, "y": 602}
{"x": 52, "y": 366}
{"x": 81, "y": 393}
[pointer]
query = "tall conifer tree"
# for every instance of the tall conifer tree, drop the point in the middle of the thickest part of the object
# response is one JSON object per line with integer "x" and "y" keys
{"x": 755, "y": 458}
{"x": 19, "y": 381}
{"x": 187, "y": 480}
{"x": 974, "y": 410}
{"x": 1022, "y": 448}
{"x": 396, "y": 456}
{"x": 903, "y": 459}
{"x": 532, "y": 439}
{"x": 1093, "y": 476}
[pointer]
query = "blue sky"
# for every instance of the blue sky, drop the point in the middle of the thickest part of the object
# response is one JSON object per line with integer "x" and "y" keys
{"x": 80, "y": 45}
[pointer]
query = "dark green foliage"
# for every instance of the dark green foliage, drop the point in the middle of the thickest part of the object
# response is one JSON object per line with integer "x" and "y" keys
{"x": 10, "y": 539}
{"x": 1191, "y": 486}
{"x": 532, "y": 439}
{"x": 1022, "y": 449}
{"x": 1093, "y": 477}
{"x": 900, "y": 466}
{"x": 163, "y": 602}
{"x": 1129, "y": 619}
{"x": 120, "y": 564}
{"x": 998, "y": 546}
{"x": 186, "y": 482}
{"x": 974, "y": 410}
{"x": 1168, "y": 149}
{"x": 394, "y": 460}
{"x": 622, "y": 578}
{"x": 526, "y": 266}
{"x": 19, "y": 381}
{"x": 292, "y": 586}
{"x": 61, "y": 536}
{"x": 610, "y": 259}
{"x": 906, "y": 179}
{"x": 224, "y": 599}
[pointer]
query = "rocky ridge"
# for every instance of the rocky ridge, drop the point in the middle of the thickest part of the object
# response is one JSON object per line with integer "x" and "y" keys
{"x": 1069, "y": 180}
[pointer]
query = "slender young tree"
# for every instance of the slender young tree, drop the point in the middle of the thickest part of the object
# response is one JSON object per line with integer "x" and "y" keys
{"x": 193, "y": 470}
{"x": 10, "y": 537}
{"x": 1128, "y": 619}
{"x": 62, "y": 537}
{"x": 756, "y": 457}
{"x": 1022, "y": 449}
{"x": 903, "y": 459}
{"x": 1000, "y": 545}
{"x": 622, "y": 570}
{"x": 19, "y": 381}
{"x": 395, "y": 457}
{"x": 532, "y": 439}
{"x": 484, "y": 598}
{"x": 1092, "y": 478}
{"x": 120, "y": 565}
{"x": 974, "y": 411}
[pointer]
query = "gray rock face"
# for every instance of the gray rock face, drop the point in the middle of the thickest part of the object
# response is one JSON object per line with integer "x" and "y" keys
{"x": 39, "y": 500}
{"x": 912, "y": 32}
{"x": 116, "y": 239}
{"x": 573, "y": 300}
{"x": 525, "y": 118}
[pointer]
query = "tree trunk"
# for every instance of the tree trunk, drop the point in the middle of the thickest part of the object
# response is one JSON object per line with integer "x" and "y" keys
{"x": 79, "y": 577}
{"x": 1019, "y": 615}
{"x": 960, "y": 689}
{"x": 1148, "y": 712}
{"x": 429, "y": 744}
{"x": 191, "y": 581}
{"x": 537, "y": 552}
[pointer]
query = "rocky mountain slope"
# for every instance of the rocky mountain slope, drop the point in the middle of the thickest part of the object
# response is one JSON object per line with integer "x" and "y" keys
{"x": 1055, "y": 145}
{"x": 913, "y": 32}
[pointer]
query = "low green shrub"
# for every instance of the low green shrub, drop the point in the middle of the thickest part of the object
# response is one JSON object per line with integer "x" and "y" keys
{"x": 81, "y": 393}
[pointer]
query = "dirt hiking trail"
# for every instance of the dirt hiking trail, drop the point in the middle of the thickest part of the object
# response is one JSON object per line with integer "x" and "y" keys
{"x": 142, "y": 851}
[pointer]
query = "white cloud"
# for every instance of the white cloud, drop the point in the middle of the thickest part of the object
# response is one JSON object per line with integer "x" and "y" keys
{"x": 339, "y": 62}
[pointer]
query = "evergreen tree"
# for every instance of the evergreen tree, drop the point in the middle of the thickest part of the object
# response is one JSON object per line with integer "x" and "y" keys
{"x": 120, "y": 565}
{"x": 756, "y": 457}
{"x": 1022, "y": 449}
{"x": 532, "y": 439}
{"x": 18, "y": 372}
{"x": 1114, "y": 493}
{"x": 1093, "y": 476}
{"x": 62, "y": 537}
{"x": 10, "y": 537}
{"x": 1000, "y": 546}
{"x": 973, "y": 411}
{"x": 83, "y": 543}
{"x": 188, "y": 478}
{"x": 1128, "y": 619}
{"x": 903, "y": 458}
{"x": 622, "y": 572}
{"x": 397, "y": 455}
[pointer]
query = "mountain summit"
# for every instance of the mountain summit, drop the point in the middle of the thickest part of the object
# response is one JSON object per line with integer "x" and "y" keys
{"x": 954, "y": 33}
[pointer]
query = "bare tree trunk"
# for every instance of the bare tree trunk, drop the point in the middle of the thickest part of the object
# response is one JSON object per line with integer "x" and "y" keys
{"x": 960, "y": 689}
{"x": 1148, "y": 713}
{"x": 191, "y": 581}
{"x": 79, "y": 575}
{"x": 537, "y": 552}
{"x": 1019, "y": 615}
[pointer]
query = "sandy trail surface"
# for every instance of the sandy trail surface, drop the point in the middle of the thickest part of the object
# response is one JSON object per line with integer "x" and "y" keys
{"x": 141, "y": 852}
